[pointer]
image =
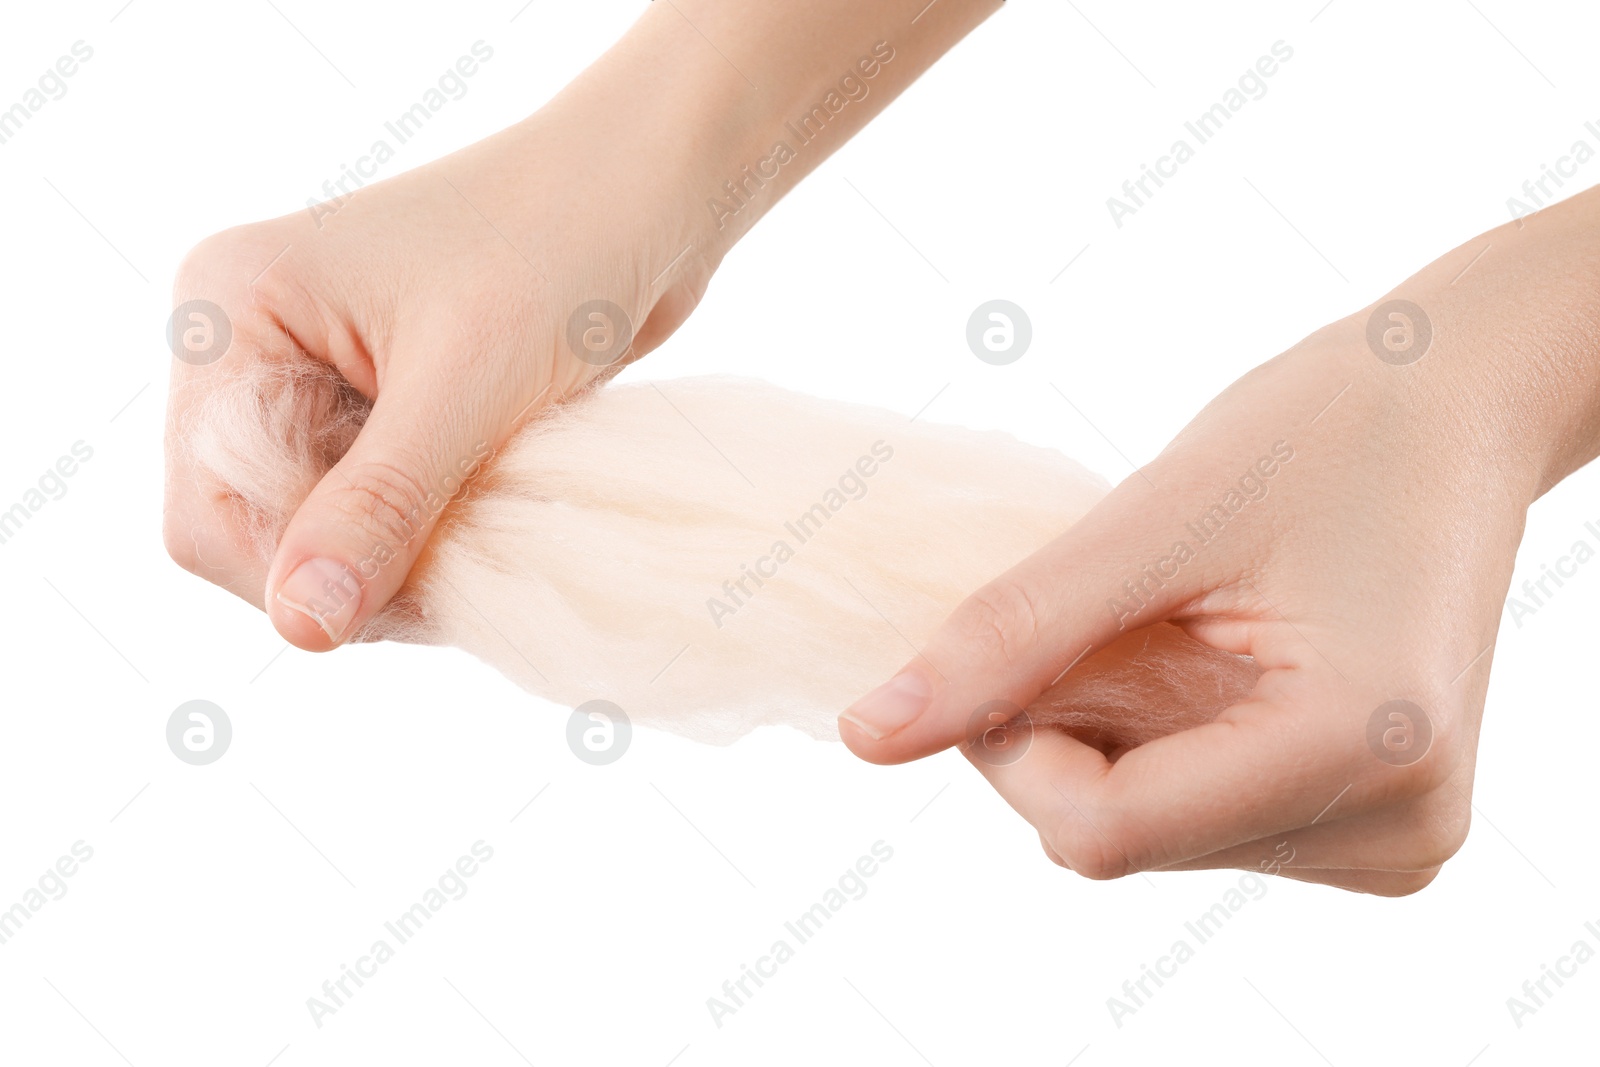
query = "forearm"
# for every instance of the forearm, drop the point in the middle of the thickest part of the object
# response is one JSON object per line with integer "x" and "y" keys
{"x": 728, "y": 105}
{"x": 1521, "y": 304}
{"x": 1492, "y": 367}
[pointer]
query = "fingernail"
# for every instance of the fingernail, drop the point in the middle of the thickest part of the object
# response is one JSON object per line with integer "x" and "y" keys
{"x": 892, "y": 706}
{"x": 326, "y": 592}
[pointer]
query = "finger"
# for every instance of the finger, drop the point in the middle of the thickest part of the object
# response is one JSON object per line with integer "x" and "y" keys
{"x": 352, "y": 542}
{"x": 1010, "y": 640}
{"x": 1262, "y": 769}
{"x": 1376, "y": 883}
{"x": 217, "y": 339}
{"x": 205, "y": 529}
{"x": 1019, "y": 774}
{"x": 1352, "y": 880}
{"x": 207, "y": 533}
{"x": 1419, "y": 834}
{"x": 1055, "y": 857}
{"x": 1386, "y": 841}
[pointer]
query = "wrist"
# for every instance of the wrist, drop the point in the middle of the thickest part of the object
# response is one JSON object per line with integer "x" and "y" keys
{"x": 1503, "y": 363}
{"x": 720, "y": 109}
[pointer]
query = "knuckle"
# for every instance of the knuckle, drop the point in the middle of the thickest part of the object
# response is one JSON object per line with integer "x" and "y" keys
{"x": 1096, "y": 861}
{"x": 199, "y": 265}
{"x": 1442, "y": 836}
{"x": 1090, "y": 849}
{"x": 1407, "y": 883}
{"x": 1051, "y": 854}
{"x": 216, "y": 261}
{"x": 1429, "y": 774}
{"x": 1416, "y": 780}
{"x": 383, "y": 499}
{"x": 1444, "y": 730}
{"x": 179, "y": 543}
{"x": 1000, "y": 621}
{"x": 246, "y": 271}
{"x": 1433, "y": 770}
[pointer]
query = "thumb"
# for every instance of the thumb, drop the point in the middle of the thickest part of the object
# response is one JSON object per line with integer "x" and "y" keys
{"x": 352, "y": 543}
{"x": 1012, "y": 639}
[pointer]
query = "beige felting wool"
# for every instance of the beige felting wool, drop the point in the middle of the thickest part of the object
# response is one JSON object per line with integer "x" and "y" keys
{"x": 715, "y": 554}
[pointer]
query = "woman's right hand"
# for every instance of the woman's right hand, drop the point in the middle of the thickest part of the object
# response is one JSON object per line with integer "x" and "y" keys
{"x": 1348, "y": 514}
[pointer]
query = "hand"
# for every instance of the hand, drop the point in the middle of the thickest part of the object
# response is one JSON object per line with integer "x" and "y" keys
{"x": 451, "y": 298}
{"x": 1347, "y": 514}
{"x": 463, "y": 296}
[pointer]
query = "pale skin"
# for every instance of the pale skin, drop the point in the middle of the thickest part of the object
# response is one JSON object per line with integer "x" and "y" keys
{"x": 1374, "y": 569}
{"x": 445, "y": 293}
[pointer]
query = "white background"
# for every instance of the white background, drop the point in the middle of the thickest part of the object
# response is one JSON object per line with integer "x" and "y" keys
{"x": 219, "y": 898}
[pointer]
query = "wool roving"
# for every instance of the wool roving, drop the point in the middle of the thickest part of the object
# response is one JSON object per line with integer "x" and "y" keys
{"x": 713, "y": 554}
